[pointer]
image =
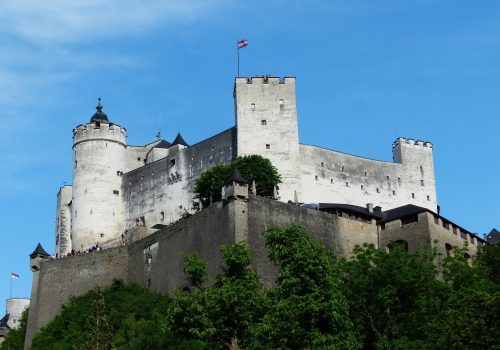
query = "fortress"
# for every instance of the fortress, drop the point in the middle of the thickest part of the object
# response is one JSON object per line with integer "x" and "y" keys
{"x": 119, "y": 188}
{"x": 131, "y": 201}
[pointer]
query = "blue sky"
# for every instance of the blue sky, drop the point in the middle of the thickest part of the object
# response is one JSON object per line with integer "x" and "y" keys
{"x": 367, "y": 71}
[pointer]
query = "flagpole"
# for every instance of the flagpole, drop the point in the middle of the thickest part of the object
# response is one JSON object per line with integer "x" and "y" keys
{"x": 238, "y": 51}
{"x": 10, "y": 297}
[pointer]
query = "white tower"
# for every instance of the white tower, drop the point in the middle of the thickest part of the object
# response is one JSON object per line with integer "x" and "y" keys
{"x": 266, "y": 120}
{"x": 98, "y": 162}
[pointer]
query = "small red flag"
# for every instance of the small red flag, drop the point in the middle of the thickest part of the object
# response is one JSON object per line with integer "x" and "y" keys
{"x": 242, "y": 43}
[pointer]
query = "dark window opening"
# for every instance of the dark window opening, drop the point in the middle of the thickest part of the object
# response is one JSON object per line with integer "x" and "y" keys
{"x": 409, "y": 219}
{"x": 448, "y": 249}
{"x": 263, "y": 122}
{"x": 172, "y": 162}
{"x": 463, "y": 235}
{"x": 268, "y": 146}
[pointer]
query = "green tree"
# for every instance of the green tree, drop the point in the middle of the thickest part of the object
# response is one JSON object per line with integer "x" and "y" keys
{"x": 15, "y": 338}
{"x": 306, "y": 310}
{"x": 392, "y": 296}
{"x": 223, "y": 312}
{"x": 252, "y": 167}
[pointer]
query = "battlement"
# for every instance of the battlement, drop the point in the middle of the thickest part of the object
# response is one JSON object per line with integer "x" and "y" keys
{"x": 99, "y": 131}
{"x": 259, "y": 80}
{"x": 412, "y": 142}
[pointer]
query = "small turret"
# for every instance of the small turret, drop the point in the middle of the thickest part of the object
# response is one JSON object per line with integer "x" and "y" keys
{"x": 179, "y": 140}
{"x": 38, "y": 255}
{"x": 236, "y": 186}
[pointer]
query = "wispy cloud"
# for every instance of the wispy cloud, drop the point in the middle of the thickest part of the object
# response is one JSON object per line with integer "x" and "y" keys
{"x": 62, "y": 21}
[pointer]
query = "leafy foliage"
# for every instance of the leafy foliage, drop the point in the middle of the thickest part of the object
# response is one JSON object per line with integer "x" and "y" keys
{"x": 119, "y": 317}
{"x": 253, "y": 168}
{"x": 15, "y": 338}
{"x": 376, "y": 300}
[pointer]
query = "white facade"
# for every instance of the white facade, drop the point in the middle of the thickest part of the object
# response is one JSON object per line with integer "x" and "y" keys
{"x": 15, "y": 308}
{"x": 120, "y": 189}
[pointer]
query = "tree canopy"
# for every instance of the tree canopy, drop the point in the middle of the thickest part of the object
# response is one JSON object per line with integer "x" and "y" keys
{"x": 376, "y": 300}
{"x": 252, "y": 167}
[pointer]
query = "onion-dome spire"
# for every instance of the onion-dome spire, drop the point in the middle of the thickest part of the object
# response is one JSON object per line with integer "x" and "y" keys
{"x": 99, "y": 116}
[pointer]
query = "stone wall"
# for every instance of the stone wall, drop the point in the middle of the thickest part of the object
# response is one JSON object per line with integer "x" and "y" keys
{"x": 59, "y": 279}
{"x": 63, "y": 221}
{"x": 334, "y": 177}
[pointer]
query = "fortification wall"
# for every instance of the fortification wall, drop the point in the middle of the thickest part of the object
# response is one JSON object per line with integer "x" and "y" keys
{"x": 351, "y": 232}
{"x": 157, "y": 262}
{"x": 59, "y": 279}
{"x": 135, "y": 156}
{"x": 334, "y": 177}
{"x": 162, "y": 191}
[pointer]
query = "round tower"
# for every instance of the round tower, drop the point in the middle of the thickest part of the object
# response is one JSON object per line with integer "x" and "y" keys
{"x": 98, "y": 162}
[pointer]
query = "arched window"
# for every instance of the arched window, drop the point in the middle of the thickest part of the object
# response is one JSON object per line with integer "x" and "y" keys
{"x": 399, "y": 244}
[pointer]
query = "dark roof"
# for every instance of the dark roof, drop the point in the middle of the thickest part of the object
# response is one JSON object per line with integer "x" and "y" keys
{"x": 179, "y": 140}
{"x": 163, "y": 144}
{"x": 493, "y": 237}
{"x": 158, "y": 226}
{"x": 3, "y": 321}
{"x": 399, "y": 212}
{"x": 349, "y": 208}
{"x": 236, "y": 177}
{"x": 99, "y": 116}
{"x": 39, "y": 251}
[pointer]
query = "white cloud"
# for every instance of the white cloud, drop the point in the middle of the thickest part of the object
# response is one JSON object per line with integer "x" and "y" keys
{"x": 62, "y": 21}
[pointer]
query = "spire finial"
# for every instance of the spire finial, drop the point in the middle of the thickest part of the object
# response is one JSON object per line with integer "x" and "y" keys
{"x": 99, "y": 105}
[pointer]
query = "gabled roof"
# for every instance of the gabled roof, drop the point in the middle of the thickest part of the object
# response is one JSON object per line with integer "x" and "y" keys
{"x": 494, "y": 236}
{"x": 179, "y": 141}
{"x": 236, "y": 177}
{"x": 399, "y": 212}
{"x": 4, "y": 320}
{"x": 39, "y": 251}
{"x": 349, "y": 208}
{"x": 163, "y": 144}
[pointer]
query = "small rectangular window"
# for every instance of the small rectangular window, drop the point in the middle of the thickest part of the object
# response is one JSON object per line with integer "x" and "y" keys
{"x": 263, "y": 122}
{"x": 252, "y": 106}
{"x": 399, "y": 181}
{"x": 428, "y": 198}
{"x": 362, "y": 187}
{"x": 282, "y": 105}
{"x": 421, "y": 182}
{"x": 366, "y": 173}
{"x": 378, "y": 190}
{"x": 347, "y": 184}
{"x": 268, "y": 146}
{"x": 116, "y": 192}
{"x": 394, "y": 193}
{"x": 172, "y": 162}
{"x": 322, "y": 164}
{"x": 138, "y": 159}
{"x": 342, "y": 168}
{"x": 162, "y": 215}
{"x": 387, "y": 177}
{"x": 331, "y": 181}
{"x": 316, "y": 177}
{"x": 413, "y": 195}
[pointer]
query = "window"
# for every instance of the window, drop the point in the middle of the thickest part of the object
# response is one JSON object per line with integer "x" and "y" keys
{"x": 471, "y": 238}
{"x": 463, "y": 235}
{"x": 388, "y": 177}
{"x": 436, "y": 220}
{"x": 322, "y": 164}
{"x": 76, "y": 163}
{"x": 347, "y": 184}
{"x": 97, "y": 125}
{"x": 316, "y": 177}
{"x": 422, "y": 169}
{"x": 119, "y": 173}
{"x": 268, "y": 146}
{"x": 399, "y": 181}
{"x": 393, "y": 193}
{"x": 362, "y": 187}
{"x": 331, "y": 181}
{"x": 382, "y": 227}
{"x": 116, "y": 192}
{"x": 252, "y": 106}
{"x": 454, "y": 230}
{"x": 342, "y": 168}
{"x": 162, "y": 215}
{"x": 413, "y": 195}
{"x": 378, "y": 190}
{"x": 428, "y": 198}
{"x": 366, "y": 173}
{"x": 138, "y": 159}
{"x": 446, "y": 225}
{"x": 149, "y": 282}
{"x": 398, "y": 245}
{"x": 409, "y": 219}
{"x": 142, "y": 221}
{"x": 421, "y": 182}
{"x": 282, "y": 105}
{"x": 448, "y": 248}
{"x": 263, "y": 122}
{"x": 172, "y": 162}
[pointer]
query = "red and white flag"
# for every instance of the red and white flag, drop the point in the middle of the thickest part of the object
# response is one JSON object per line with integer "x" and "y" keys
{"x": 14, "y": 275}
{"x": 242, "y": 43}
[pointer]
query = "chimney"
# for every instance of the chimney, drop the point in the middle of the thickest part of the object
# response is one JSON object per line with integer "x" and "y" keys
{"x": 369, "y": 207}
